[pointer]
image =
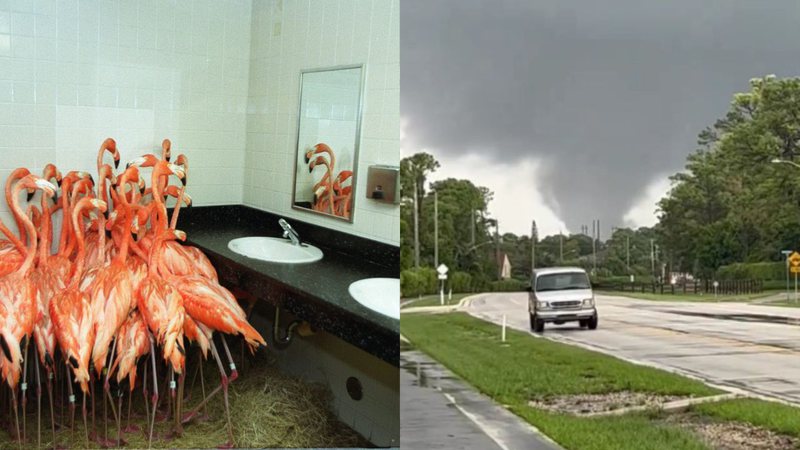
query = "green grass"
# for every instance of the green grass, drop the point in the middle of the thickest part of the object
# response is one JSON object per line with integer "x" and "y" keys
{"x": 687, "y": 297}
{"x": 525, "y": 368}
{"x": 772, "y": 415}
{"x": 434, "y": 300}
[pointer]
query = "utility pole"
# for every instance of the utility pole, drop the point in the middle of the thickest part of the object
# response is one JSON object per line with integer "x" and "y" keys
{"x": 416, "y": 228}
{"x": 497, "y": 249}
{"x": 652, "y": 258}
{"x": 628, "y": 252}
{"x": 435, "y": 229}
{"x": 534, "y": 236}
{"x": 595, "y": 225}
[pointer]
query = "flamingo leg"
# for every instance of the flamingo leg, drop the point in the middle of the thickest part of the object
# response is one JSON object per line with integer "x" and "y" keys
{"x": 71, "y": 403}
{"x": 202, "y": 381}
{"x": 119, "y": 422}
{"x": 130, "y": 404}
{"x": 179, "y": 406}
{"x": 171, "y": 400}
{"x": 24, "y": 390}
{"x": 49, "y": 385}
{"x": 107, "y": 392}
{"x": 231, "y": 364}
{"x": 16, "y": 416}
{"x": 38, "y": 399}
{"x": 144, "y": 391}
{"x": 85, "y": 421}
{"x": 224, "y": 384}
{"x": 91, "y": 380}
{"x": 155, "y": 393}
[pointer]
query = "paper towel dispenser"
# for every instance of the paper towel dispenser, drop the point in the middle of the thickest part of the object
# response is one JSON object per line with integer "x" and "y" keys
{"x": 383, "y": 183}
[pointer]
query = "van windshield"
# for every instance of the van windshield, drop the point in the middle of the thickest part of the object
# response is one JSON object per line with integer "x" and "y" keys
{"x": 562, "y": 281}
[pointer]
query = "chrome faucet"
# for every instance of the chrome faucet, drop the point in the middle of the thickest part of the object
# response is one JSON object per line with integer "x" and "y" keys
{"x": 288, "y": 232}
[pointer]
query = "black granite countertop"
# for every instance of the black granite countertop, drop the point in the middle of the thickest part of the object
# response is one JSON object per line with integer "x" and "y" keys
{"x": 316, "y": 292}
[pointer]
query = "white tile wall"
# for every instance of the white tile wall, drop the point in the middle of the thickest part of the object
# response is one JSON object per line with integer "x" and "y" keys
{"x": 75, "y": 72}
{"x": 294, "y": 35}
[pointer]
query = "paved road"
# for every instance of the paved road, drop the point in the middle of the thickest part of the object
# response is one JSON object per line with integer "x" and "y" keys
{"x": 751, "y": 347}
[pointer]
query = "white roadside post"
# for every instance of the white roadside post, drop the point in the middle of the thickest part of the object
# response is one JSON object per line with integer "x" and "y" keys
{"x": 503, "y": 338}
{"x": 442, "y": 269}
{"x": 716, "y": 285}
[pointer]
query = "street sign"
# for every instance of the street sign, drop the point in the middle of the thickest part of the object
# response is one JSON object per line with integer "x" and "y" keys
{"x": 716, "y": 284}
{"x": 442, "y": 276}
{"x": 442, "y": 269}
{"x": 794, "y": 262}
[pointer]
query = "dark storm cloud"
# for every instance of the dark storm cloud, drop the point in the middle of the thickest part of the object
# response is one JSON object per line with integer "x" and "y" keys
{"x": 611, "y": 94}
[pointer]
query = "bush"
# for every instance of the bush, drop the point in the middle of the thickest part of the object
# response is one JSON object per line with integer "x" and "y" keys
{"x": 416, "y": 282}
{"x": 410, "y": 285}
{"x": 461, "y": 282}
{"x": 753, "y": 271}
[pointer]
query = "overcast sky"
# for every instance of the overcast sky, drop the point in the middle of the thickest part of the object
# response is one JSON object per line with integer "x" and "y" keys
{"x": 574, "y": 110}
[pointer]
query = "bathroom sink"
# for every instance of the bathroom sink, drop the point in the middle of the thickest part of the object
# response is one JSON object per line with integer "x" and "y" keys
{"x": 275, "y": 250}
{"x": 381, "y": 295}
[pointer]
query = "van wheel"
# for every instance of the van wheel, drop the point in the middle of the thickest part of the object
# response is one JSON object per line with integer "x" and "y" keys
{"x": 584, "y": 323}
{"x": 592, "y": 323}
{"x": 537, "y": 325}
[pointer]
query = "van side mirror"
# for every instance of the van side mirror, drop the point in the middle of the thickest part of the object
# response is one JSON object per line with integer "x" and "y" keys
{"x": 529, "y": 288}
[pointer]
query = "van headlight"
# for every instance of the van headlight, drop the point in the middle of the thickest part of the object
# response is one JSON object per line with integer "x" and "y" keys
{"x": 543, "y": 305}
{"x": 588, "y": 302}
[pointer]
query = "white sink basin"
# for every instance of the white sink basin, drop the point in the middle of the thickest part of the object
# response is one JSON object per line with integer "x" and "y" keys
{"x": 275, "y": 250}
{"x": 381, "y": 295}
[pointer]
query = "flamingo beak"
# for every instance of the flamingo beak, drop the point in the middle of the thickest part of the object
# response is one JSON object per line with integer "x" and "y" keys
{"x": 180, "y": 235}
{"x": 44, "y": 185}
{"x": 135, "y": 162}
{"x": 116, "y": 161}
{"x": 31, "y": 193}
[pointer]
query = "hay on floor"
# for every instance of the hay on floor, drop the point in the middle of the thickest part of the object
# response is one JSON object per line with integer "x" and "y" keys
{"x": 268, "y": 409}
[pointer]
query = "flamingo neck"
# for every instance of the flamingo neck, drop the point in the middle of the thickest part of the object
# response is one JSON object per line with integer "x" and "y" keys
{"x": 65, "y": 217}
{"x": 16, "y": 175}
{"x": 80, "y": 259}
{"x": 44, "y": 242}
{"x": 29, "y": 228}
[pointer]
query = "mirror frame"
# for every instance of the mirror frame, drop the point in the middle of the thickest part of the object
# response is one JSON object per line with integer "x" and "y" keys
{"x": 357, "y": 144}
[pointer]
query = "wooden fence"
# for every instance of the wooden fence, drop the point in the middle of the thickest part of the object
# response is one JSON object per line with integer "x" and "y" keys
{"x": 725, "y": 287}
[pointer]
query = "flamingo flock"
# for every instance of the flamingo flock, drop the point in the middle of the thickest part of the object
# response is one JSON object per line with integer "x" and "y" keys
{"x": 115, "y": 294}
{"x": 330, "y": 193}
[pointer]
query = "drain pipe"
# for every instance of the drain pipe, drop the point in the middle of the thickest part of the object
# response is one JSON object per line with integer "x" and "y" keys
{"x": 283, "y": 342}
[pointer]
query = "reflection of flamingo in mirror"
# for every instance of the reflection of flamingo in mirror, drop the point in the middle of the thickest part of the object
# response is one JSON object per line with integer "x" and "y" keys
{"x": 329, "y": 194}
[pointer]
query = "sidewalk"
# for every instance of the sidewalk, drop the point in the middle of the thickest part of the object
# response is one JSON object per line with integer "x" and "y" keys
{"x": 438, "y": 411}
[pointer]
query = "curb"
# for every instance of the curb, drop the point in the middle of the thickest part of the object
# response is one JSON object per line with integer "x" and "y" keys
{"x": 669, "y": 406}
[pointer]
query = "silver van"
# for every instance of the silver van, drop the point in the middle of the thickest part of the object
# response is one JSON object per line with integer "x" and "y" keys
{"x": 559, "y": 295}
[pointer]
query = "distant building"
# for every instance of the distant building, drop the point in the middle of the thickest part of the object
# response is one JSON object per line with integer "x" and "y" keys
{"x": 503, "y": 266}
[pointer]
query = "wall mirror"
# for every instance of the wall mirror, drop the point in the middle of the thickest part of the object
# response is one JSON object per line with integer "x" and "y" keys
{"x": 328, "y": 134}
